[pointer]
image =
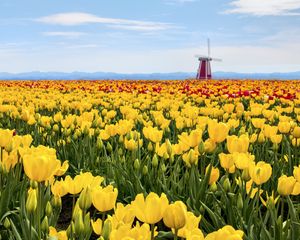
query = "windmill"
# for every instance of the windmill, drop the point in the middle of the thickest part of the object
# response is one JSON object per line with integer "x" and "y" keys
{"x": 204, "y": 70}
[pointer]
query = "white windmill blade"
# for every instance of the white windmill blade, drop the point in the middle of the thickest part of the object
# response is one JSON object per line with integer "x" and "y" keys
{"x": 217, "y": 59}
{"x": 208, "y": 47}
{"x": 200, "y": 56}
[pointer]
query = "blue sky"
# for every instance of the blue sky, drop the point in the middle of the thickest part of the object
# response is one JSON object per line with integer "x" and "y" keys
{"x": 130, "y": 36}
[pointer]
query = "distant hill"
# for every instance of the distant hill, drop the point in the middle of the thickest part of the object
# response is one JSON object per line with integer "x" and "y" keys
{"x": 135, "y": 76}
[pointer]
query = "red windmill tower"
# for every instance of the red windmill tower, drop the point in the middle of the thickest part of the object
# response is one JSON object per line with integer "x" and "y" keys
{"x": 204, "y": 70}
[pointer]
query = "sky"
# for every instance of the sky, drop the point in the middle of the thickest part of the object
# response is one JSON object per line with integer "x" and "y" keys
{"x": 146, "y": 36}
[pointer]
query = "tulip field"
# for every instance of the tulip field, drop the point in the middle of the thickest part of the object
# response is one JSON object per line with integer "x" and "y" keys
{"x": 126, "y": 160}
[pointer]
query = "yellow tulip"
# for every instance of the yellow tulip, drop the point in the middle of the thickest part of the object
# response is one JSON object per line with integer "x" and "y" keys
{"x": 286, "y": 185}
{"x": 209, "y": 145}
{"x": 6, "y": 137}
{"x": 61, "y": 235}
{"x": 39, "y": 167}
{"x": 218, "y": 131}
{"x": 97, "y": 226}
{"x": 252, "y": 190}
{"x": 242, "y": 160}
{"x": 284, "y": 127}
{"x": 296, "y": 132}
{"x": 191, "y": 228}
{"x": 59, "y": 188}
{"x": 190, "y": 158}
{"x": 75, "y": 185}
{"x": 271, "y": 201}
{"x": 62, "y": 169}
{"x": 214, "y": 174}
{"x": 226, "y": 161}
{"x": 276, "y": 138}
{"x": 296, "y": 173}
{"x": 151, "y": 209}
{"x": 174, "y": 216}
{"x": 258, "y": 122}
{"x": 104, "y": 199}
{"x": 123, "y": 215}
{"x": 270, "y": 130}
{"x": 125, "y": 232}
{"x": 227, "y": 232}
{"x": 260, "y": 172}
{"x": 238, "y": 144}
{"x": 296, "y": 189}
{"x": 131, "y": 144}
{"x": 9, "y": 160}
{"x": 153, "y": 134}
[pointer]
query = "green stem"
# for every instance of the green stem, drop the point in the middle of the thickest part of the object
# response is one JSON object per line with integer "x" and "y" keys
{"x": 176, "y": 232}
{"x": 152, "y": 231}
{"x": 39, "y": 207}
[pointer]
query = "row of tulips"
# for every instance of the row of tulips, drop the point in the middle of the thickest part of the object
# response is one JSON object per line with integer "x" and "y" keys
{"x": 227, "y": 149}
{"x": 38, "y": 170}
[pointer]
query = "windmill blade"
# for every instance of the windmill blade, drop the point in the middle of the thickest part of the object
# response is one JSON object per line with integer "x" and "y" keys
{"x": 217, "y": 59}
{"x": 201, "y": 56}
{"x": 208, "y": 46}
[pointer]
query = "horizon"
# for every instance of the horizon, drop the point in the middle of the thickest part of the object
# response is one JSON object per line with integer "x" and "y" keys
{"x": 54, "y": 36}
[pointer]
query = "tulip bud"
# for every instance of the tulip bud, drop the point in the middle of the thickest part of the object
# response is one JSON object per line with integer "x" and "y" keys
{"x": 78, "y": 223}
{"x": 155, "y": 161}
{"x": 169, "y": 147}
{"x": 121, "y": 140}
{"x": 150, "y": 147}
{"x": 86, "y": 131}
{"x": 106, "y": 229}
{"x": 213, "y": 187}
{"x": 75, "y": 136}
{"x": 227, "y": 185}
{"x": 71, "y": 230}
{"x": 240, "y": 202}
{"x": 109, "y": 147}
{"x": 202, "y": 210}
{"x": 136, "y": 164}
{"x": 85, "y": 198}
{"x": 145, "y": 170}
{"x": 120, "y": 151}
{"x": 245, "y": 175}
{"x": 99, "y": 143}
{"x": 97, "y": 132}
{"x": 33, "y": 184}
{"x": 45, "y": 225}
{"x": 201, "y": 148}
{"x": 251, "y": 148}
{"x": 163, "y": 167}
{"x": 171, "y": 158}
{"x": 6, "y": 223}
{"x": 48, "y": 209}
{"x": 87, "y": 223}
{"x": 166, "y": 155}
{"x": 31, "y": 202}
{"x": 55, "y": 128}
{"x": 167, "y": 130}
{"x": 56, "y": 202}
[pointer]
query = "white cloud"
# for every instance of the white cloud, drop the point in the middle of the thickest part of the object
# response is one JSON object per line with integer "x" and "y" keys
{"x": 265, "y": 7}
{"x": 64, "y": 34}
{"x": 79, "y": 18}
